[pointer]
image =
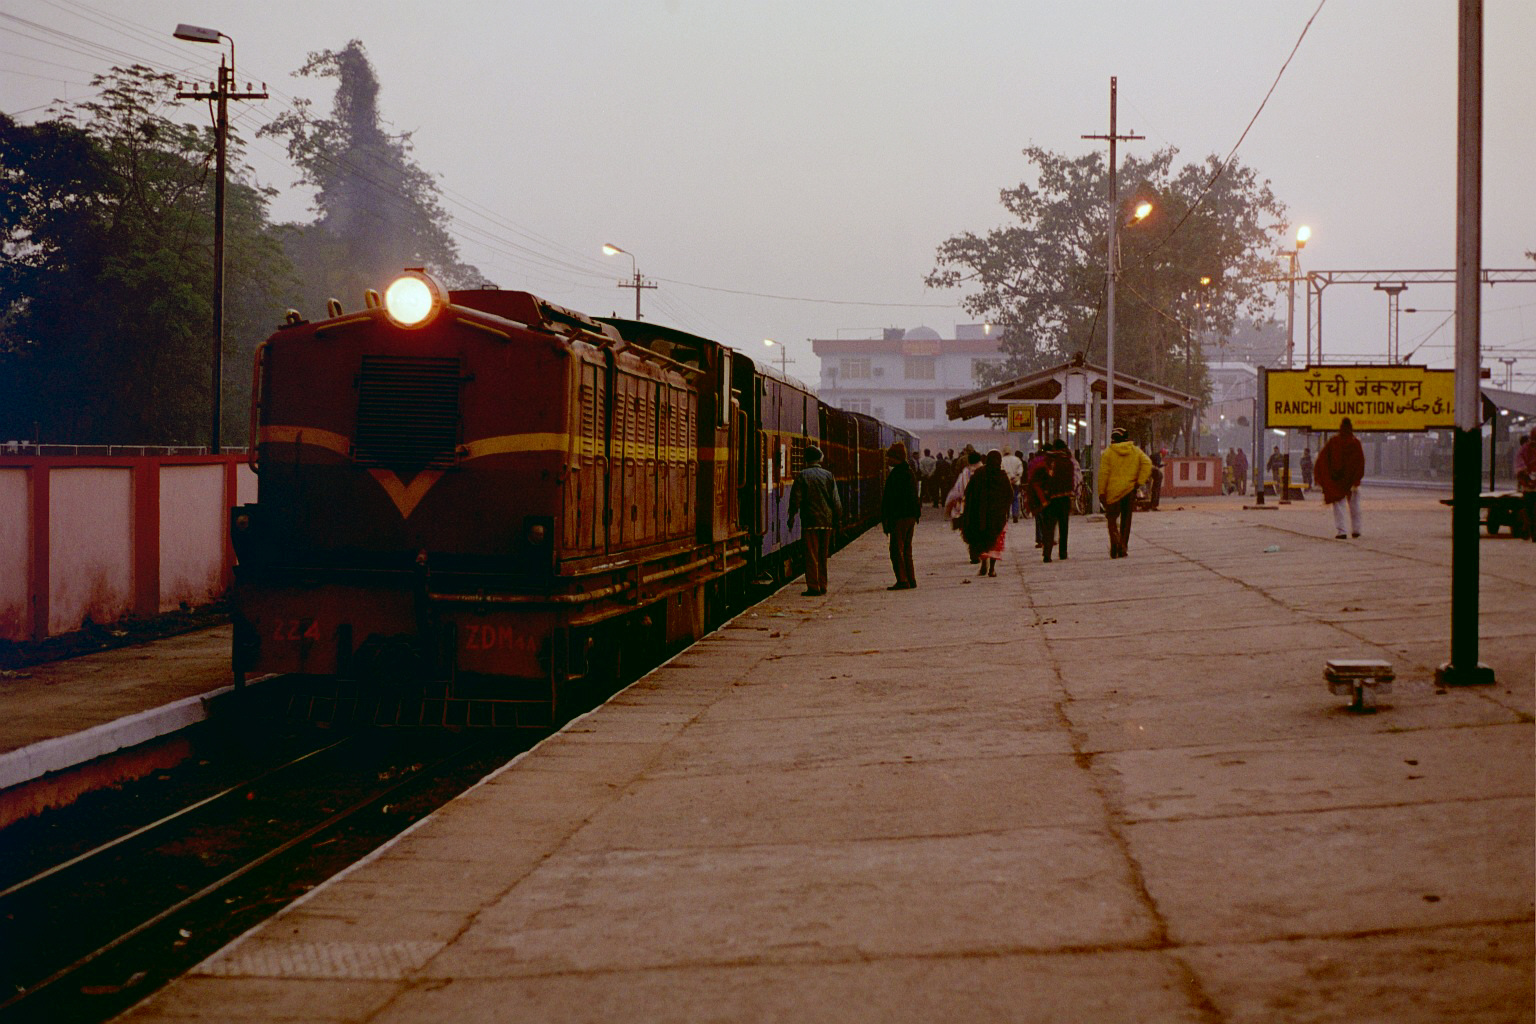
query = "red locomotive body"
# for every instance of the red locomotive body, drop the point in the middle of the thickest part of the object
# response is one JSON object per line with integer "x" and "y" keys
{"x": 459, "y": 521}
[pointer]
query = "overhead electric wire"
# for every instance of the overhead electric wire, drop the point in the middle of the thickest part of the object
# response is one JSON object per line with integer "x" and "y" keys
{"x": 1221, "y": 168}
{"x": 569, "y": 261}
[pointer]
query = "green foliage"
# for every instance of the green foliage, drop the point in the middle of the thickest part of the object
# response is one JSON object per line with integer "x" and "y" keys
{"x": 1041, "y": 278}
{"x": 377, "y": 211}
{"x": 107, "y": 319}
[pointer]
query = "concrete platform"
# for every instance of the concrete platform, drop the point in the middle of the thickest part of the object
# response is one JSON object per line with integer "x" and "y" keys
{"x": 1096, "y": 790}
{"x": 58, "y": 716}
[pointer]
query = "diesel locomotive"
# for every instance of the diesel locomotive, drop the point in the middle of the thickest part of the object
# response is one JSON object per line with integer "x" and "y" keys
{"x": 474, "y": 507}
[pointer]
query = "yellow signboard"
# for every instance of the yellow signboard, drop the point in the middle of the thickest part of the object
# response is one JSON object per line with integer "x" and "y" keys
{"x": 1373, "y": 397}
{"x": 1021, "y": 417}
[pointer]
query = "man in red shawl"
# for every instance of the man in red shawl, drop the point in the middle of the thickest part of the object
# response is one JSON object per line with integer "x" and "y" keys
{"x": 1338, "y": 471}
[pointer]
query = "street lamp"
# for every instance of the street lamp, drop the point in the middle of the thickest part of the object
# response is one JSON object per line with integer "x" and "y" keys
{"x": 194, "y": 34}
{"x": 784, "y": 359}
{"x": 1143, "y": 209}
{"x": 638, "y": 284}
{"x": 1303, "y": 233}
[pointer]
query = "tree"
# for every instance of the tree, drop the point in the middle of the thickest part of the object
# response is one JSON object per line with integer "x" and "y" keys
{"x": 1199, "y": 264}
{"x": 107, "y": 254}
{"x": 377, "y": 210}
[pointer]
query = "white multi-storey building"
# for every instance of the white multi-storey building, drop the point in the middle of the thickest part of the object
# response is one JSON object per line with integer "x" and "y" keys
{"x": 905, "y": 376}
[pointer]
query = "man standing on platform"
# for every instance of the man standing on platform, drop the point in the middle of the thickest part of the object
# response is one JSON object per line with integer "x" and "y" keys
{"x": 813, "y": 496}
{"x": 927, "y": 467}
{"x": 1525, "y": 480}
{"x": 1122, "y": 468}
{"x": 900, "y": 510}
{"x": 1339, "y": 468}
{"x": 1277, "y": 465}
{"x": 1055, "y": 481}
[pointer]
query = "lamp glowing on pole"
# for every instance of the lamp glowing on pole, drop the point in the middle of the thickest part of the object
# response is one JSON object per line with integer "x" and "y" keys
{"x": 194, "y": 34}
{"x": 1303, "y": 233}
{"x": 1143, "y": 209}
{"x": 784, "y": 359}
{"x": 638, "y": 283}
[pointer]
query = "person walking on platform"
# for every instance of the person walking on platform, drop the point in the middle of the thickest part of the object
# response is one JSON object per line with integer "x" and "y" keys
{"x": 1525, "y": 480}
{"x": 1276, "y": 465}
{"x": 1053, "y": 485}
{"x": 988, "y": 497}
{"x": 1306, "y": 469}
{"x": 1031, "y": 506}
{"x": 1339, "y": 468}
{"x": 813, "y": 496}
{"x": 927, "y": 481}
{"x": 1013, "y": 465}
{"x": 954, "y": 501}
{"x": 1122, "y": 468}
{"x": 1241, "y": 468}
{"x": 900, "y": 509}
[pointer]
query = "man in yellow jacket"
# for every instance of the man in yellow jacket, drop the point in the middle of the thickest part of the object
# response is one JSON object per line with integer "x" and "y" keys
{"x": 1122, "y": 468}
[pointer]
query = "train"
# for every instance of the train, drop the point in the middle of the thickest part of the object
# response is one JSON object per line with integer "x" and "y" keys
{"x": 477, "y": 508}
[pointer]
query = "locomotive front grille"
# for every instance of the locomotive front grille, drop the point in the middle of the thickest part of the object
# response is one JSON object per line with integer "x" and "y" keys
{"x": 407, "y": 412}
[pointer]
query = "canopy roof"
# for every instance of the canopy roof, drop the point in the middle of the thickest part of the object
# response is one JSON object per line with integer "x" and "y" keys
{"x": 1133, "y": 396}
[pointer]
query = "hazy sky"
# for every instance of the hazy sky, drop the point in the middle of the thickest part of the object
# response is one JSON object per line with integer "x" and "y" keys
{"x": 787, "y": 169}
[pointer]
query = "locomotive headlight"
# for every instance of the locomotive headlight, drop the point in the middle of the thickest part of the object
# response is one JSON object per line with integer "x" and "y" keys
{"x": 413, "y": 299}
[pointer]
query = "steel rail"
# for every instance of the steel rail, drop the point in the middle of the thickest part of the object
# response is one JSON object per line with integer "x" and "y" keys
{"x": 233, "y": 876}
{"x": 142, "y": 829}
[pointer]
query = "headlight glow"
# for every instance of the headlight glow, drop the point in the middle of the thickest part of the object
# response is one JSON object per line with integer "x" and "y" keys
{"x": 412, "y": 300}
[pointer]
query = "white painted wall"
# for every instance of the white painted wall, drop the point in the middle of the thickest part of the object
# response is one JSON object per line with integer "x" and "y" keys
{"x": 90, "y": 542}
{"x": 245, "y": 484}
{"x": 191, "y": 535}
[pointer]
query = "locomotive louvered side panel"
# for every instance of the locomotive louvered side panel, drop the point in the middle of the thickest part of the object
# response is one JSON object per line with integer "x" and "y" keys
{"x": 621, "y": 472}
{"x": 407, "y": 412}
{"x": 584, "y": 499}
{"x": 645, "y": 455}
{"x": 682, "y": 463}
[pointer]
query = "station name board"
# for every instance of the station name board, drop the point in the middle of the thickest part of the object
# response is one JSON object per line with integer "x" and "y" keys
{"x": 1401, "y": 398}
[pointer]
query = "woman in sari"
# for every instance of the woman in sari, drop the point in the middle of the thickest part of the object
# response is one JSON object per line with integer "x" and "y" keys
{"x": 988, "y": 499}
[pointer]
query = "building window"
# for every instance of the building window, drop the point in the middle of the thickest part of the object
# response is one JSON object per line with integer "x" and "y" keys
{"x": 856, "y": 405}
{"x": 854, "y": 369}
{"x": 919, "y": 409}
{"x": 981, "y": 368}
{"x": 920, "y": 367}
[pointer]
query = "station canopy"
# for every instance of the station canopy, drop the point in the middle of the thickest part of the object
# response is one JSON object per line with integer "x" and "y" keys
{"x": 1076, "y": 388}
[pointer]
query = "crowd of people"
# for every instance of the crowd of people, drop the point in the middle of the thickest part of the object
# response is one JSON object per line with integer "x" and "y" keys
{"x": 982, "y": 495}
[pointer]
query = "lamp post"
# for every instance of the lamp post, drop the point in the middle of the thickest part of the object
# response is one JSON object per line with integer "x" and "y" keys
{"x": 222, "y": 92}
{"x": 1114, "y": 216}
{"x": 784, "y": 359}
{"x": 1303, "y": 233}
{"x": 638, "y": 283}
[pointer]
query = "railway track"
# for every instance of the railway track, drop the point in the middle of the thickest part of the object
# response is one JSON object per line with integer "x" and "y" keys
{"x": 89, "y": 934}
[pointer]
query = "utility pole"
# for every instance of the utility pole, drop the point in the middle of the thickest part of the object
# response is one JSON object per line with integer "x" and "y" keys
{"x": 639, "y": 284}
{"x": 1467, "y": 454}
{"x": 221, "y": 92}
{"x": 1114, "y": 226}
